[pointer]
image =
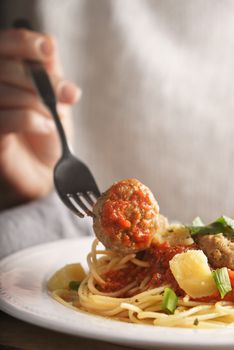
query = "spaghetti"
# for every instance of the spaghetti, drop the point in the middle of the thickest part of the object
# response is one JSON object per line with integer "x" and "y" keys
{"x": 137, "y": 301}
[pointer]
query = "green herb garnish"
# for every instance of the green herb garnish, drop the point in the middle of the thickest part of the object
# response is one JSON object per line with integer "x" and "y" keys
{"x": 222, "y": 281}
{"x": 74, "y": 285}
{"x": 197, "y": 222}
{"x": 223, "y": 225}
{"x": 169, "y": 302}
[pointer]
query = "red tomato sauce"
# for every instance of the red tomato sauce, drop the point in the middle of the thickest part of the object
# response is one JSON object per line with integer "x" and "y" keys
{"x": 126, "y": 214}
{"x": 116, "y": 280}
{"x": 159, "y": 271}
{"x": 159, "y": 257}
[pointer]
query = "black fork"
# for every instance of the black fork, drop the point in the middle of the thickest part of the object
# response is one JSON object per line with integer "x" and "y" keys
{"x": 73, "y": 180}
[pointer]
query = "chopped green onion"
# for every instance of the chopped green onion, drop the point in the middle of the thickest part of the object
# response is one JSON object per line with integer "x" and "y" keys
{"x": 222, "y": 281}
{"x": 170, "y": 300}
{"x": 223, "y": 225}
{"x": 74, "y": 285}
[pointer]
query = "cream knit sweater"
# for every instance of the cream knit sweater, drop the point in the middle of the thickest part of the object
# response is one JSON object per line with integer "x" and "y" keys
{"x": 158, "y": 87}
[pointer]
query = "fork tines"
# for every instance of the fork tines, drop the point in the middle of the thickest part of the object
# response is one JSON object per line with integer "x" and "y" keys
{"x": 83, "y": 202}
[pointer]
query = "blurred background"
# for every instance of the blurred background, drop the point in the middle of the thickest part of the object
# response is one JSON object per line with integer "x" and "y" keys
{"x": 157, "y": 104}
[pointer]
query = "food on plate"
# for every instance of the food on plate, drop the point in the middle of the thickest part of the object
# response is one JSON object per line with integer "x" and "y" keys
{"x": 193, "y": 263}
{"x": 125, "y": 216}
{"x": 152, "y": 271}
{"x": 64, "y": 276}
{"x": 219, "y": 249}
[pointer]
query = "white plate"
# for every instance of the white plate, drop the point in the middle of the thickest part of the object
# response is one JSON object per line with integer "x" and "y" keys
{"x": 23, "y": 294}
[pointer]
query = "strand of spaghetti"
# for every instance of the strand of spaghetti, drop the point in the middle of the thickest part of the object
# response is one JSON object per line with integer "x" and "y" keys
{"x": 121, "y": 291}
{"x": 191, "y": 311}
{"x": 132, "y": 317}
{"x": 189, "y": 303}
{"x": 133, "y": 291}
{"x": 92, "y": 257}
{"x": 130, "y": 257}
{"x": 91, "y": 286}
{"x": 144, "y": 282}
{"x": 103, "y": 298}
{"x": 93, "y": 250}
{"x": 149, "y": 314}
{"x": 175, "y": 319}
{"x": 139, "y": 289}
{"x": 152, "y": 292}
{"x": 104, "y": 309}
{"x": 156, "y": 306}
{"x": 106, "y": 306}
{"x": 103, "y": 264}
{"x": 83, "y": 291}
{"x": 88, "y": 300}
{"x": 104, "y": 303}
{"x": 188, "y": 324}
{"x": 131, "y": 307}
{"x": 207, "y": 316}
{"x": 104, "y": 252}
{"x": 127, "y": 258}
{"x": 112, "y": 312}
{"x": 150, "y": 299}
{"x": 140, "y": 262}
{"x": 66, "y": 297}
{"x": 184, "y": 322}
{"x": 225, "y": 307}
{"x": 93, "y": 270}
{"x": 100, "y": 251}
{"x": 111, "y": 265}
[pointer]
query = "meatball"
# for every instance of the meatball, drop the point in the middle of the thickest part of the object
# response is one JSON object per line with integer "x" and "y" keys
{"x": 125, "y": 217}
{"x": 218, "y": 249}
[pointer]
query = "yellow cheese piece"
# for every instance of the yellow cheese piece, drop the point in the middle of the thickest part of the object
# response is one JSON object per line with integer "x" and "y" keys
{"x": 62, "y": 277}
{"x": 193, "y": 274}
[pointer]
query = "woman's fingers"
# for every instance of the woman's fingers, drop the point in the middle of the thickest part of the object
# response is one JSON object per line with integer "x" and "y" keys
{"x": 68, "y": 92}
{"x": 15, "y": 73}
{"x": 17, "y": 45}
{"x": 22, "y": 111}
{"x": 14, "y": 98}
{"x": 23, "y": 121}
{"x": 26, "y": 44}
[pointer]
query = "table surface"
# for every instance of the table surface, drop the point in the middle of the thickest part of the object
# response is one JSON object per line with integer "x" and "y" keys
{"x": 19, "y": 335}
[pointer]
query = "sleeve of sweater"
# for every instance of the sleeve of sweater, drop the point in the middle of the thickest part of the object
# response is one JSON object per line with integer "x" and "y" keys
{"x": 38, "y": 222}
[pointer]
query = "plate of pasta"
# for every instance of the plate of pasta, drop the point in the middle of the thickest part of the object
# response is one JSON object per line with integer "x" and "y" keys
{"x": 24, "y": 294}
{"x": 141, "y": 281}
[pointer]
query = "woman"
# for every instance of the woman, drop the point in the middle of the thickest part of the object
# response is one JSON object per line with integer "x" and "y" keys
{"x": 157, "y": 105}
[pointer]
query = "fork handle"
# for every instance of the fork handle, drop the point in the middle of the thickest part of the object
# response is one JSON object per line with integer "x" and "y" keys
{"x": 40, "y": 78}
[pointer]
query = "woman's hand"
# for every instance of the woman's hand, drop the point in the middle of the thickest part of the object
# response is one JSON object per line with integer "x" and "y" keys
{"x": 29, "y": 145}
